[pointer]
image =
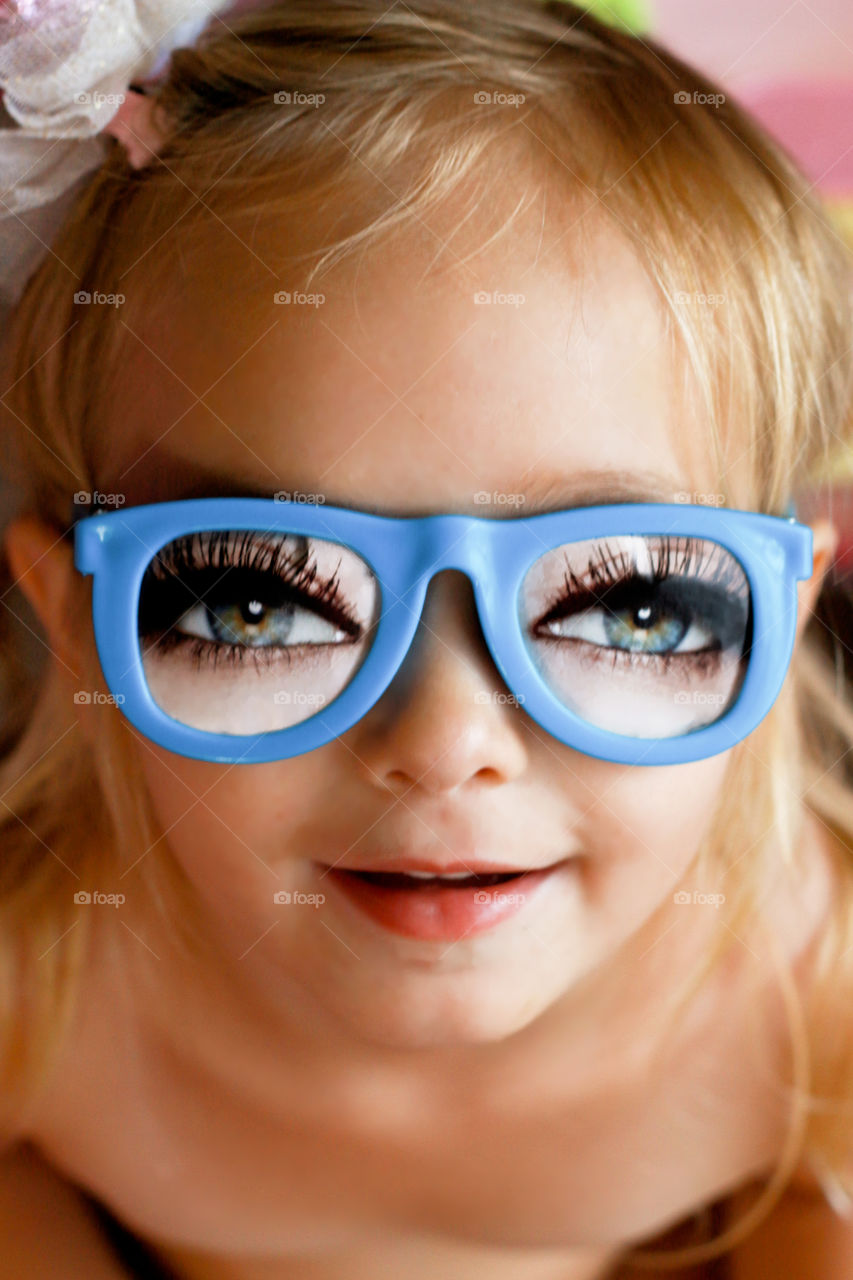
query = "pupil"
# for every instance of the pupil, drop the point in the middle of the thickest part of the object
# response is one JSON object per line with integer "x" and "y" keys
{"x": 252, "y": 610}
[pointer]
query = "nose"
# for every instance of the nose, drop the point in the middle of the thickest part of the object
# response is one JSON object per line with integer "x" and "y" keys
{"x": 446, "y": 719}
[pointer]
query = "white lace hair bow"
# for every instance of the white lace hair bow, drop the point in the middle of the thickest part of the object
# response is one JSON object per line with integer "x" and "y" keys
{"x": 65, "y": 71}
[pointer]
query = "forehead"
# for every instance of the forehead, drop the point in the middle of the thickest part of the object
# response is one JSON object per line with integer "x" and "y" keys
{"x": 414, "y": 377}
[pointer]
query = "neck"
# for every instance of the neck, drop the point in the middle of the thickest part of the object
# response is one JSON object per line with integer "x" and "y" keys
{"x": 415, "y": 1257}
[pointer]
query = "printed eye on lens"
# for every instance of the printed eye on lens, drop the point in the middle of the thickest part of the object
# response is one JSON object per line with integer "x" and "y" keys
{"x": 642, "y": 636}
{"x": 244, "y": 632}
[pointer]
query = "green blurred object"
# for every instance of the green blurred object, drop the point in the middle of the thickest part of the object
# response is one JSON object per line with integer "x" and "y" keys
{"x": 628, "y": 15}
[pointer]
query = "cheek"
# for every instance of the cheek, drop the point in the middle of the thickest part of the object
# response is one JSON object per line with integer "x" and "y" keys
{"x": 645, "y": 829}
{"x": 230, "y": 824}
{"x": 667, "y": 811}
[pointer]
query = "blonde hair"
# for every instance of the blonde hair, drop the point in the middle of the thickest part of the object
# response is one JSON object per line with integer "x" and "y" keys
{"x": 708, "y": 203}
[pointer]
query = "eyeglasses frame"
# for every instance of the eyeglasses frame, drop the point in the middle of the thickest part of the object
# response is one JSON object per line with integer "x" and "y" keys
{"x": 404, "y": 553}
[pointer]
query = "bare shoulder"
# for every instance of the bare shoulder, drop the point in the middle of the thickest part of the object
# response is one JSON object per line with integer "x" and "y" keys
{"x": 46, "y": 1226}
{"x": 801, "y": 1237}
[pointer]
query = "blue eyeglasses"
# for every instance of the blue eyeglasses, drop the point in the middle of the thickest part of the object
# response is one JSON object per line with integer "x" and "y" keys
{"x": 244, "y": 630}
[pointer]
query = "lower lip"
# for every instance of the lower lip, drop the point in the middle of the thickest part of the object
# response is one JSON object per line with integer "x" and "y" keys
{"x": 441, "y": 914}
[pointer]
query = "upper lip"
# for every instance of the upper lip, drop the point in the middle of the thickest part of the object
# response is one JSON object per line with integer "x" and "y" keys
{"x": 474, "y": 866}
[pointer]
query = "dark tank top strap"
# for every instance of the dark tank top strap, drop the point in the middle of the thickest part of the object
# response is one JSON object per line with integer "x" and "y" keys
{"x": 718, "y": 1268}
{"x": 699, "y": 1228}
{"x": 135, "y": 1257}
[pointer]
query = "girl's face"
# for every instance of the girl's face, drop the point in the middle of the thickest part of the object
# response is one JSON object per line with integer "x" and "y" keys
{"x": 404, "y": 393}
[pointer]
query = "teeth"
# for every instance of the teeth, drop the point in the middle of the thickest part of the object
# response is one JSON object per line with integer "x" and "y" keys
{"x": 449, "y": 875}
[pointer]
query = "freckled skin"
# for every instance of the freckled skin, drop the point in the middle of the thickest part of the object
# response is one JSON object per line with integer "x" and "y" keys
{"x": 338, "y": 1091}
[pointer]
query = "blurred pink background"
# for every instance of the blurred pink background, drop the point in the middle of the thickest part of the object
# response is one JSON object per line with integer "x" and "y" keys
{"x": 792, "y": 64}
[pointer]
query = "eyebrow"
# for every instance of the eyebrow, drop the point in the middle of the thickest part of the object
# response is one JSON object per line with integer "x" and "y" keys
{"x": 591, "y": 488}
{"x": 552, "y": 491}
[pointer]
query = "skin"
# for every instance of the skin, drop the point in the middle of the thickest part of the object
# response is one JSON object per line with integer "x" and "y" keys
{"x": 340, "y": 1093}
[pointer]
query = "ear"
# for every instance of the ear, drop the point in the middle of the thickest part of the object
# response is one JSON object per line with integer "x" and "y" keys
{"x": 135, "y": 128}
{"x": 825, "y": 541}
{"x": 42, "y": 564}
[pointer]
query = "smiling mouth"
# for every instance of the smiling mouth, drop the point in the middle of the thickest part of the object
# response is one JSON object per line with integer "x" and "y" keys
{"x": 424, "y": 879}
{"x": 442, "y": 906}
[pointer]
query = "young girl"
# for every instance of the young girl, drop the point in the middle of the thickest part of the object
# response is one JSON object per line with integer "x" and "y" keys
{"x": 426, "y": 833}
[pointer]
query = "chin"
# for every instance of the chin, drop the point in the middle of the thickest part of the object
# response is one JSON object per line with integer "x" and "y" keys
{"x": 442, "y": 1010}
